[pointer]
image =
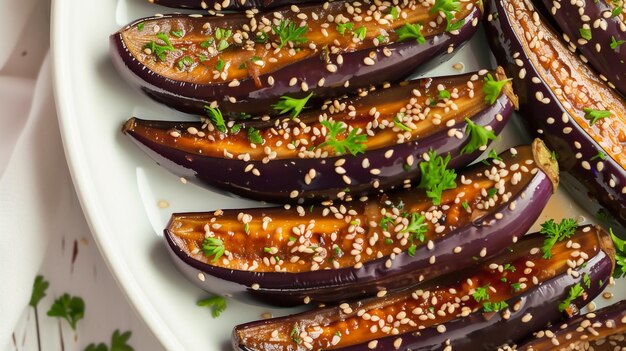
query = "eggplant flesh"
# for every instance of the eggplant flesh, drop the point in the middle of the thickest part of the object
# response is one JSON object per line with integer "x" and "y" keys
{"x": 565, "y": 102}
{"x": 478, "y": 309}
{"x": 294, "y": 161}
{"x": 245, "y": 65}
{"x": 597, "y": 29}
{"x": 597, "y": 330}
{"x": 229, "y": 5}
{"x": 337, "y": 251}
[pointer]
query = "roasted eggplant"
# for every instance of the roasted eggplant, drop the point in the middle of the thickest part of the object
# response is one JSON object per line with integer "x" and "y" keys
{"x": 585, "y": 332}
{"x": 564, "y": 101}
{"x": 245, "y": 63}
{"x": 299, "y": 159}
{"x": 334, "y": 252}
{"x": 598, "y": 30}
{"x": 481, "y": 308}
{"x": 218, "y": 5}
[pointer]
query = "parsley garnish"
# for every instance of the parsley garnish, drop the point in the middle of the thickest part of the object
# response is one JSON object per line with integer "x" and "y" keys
{"x": 481, "y": 293}
{"x": 205, "y": 44}
{"x": 600, "y": 155}
{"x": 587, "y": 280}
{"x": 289, "y": 104}
{"x": 574, "y": 292}
{"x": 119, "y": 342}
{"x": 70, "y": 308}
{"x": 178, "y": 33}
{"x": 585, "y": 33}
{"x": 595, "y": 115}
{"x": 411, "y": 31}
{"x": 295, "y": 334}
{"x": 393, "y": 11}
{"x": 261, "y": 38}
{"x": 491, "y": 192}
{"x": 213, "y": 247}
{"x": 140, "y": 26}
{"x": 416, "y": 227}
{"x": 492, "y": 155}
{"x": 159, "y": 50}
{"x": 509, "y": 267}
{"x": 359, "y": 33}
{"x": 616, "y": 43}
{"x": 448, "y": 8}
{"x": 411, "y": 250}
{"x": 444, "y": 94}
{"x": 219, "y": 66}
{"x": 184, "y": 61}
{"x": 397, "y": 121}
{"x": 342, "y": 27}
{"x": 386, "y": 221}
{"x": 479, "y": 136}
{"x": 40, "y": 285}
{"x": 354, "y": 142}
{"x": 620, "y": 255}
{"x": 254, "y": 136}
{"x": 288, "y": 32}
{"x": 465, "y": 205}
{"x": 217, "y": 303}
{"x": 435, "y": 177}
{"x": 494, "y": 306}
{"x": 215, "y": 115}
{"x": 493, "y": 88}
{"x": 556, "y": 232}
{"x": 222, "y": 35}
{"x": 516, "y": 287}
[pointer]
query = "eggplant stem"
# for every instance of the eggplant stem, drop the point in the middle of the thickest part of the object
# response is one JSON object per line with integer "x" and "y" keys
{"x": 508, "y": 87}
{"x": 543, "y": 159}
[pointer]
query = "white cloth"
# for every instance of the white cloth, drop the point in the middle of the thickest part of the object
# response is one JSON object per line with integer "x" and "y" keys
{"x": 35, "y": 186}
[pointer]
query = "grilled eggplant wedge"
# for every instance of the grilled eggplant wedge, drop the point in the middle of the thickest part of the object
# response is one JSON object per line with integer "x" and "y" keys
{"x": 564, "y": 101}
{"x": 349, "y": 147}
{"x": 245, "y": 63}
{"x": 334, "y": 252}
{"x": 504, "y": 299}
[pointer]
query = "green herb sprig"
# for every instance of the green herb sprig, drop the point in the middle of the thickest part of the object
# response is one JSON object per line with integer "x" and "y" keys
{"x": 354, "y": 142}
{"x": 70, "y": 308}
{"x": 436, "y": 177}
{"x": 556, "y": 232}
{"x": 216, "y": 303}
{"x": 288, "y": 32}
{"x": 292, "y": 105}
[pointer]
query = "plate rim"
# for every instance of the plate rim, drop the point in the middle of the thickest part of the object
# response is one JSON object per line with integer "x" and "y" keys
{"x": 85, "y": 189}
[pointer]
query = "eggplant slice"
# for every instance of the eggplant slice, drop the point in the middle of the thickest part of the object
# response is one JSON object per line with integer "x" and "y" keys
{"x": 219, "y": 5}
{"x": 245, "y": 63}
{"x": 296, "y": 160}
{"x": 581, "y": 118}
{"x": 597, "y": 29}
{"x": 481, "y": 308}
{"x": 334, "y": 252}
{"x": 586, "y": 332}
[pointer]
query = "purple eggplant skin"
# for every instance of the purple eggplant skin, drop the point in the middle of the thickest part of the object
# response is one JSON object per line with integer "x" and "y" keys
{"x": 576, "y": 333}
{"x": 483, "y": 238}
{"x": 250, "y": 99}
{"x": 479, "y": 330}
{"x": 576, "y": 150}
{"x": 571, "y": 16}
{"x": 280, "y": 177}
{"x": 231, "y": 5}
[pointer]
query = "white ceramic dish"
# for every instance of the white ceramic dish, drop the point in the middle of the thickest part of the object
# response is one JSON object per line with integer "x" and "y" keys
{"x": 120, "y": 188}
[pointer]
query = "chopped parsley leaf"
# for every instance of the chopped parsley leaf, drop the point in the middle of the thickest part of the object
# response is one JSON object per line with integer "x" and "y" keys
{"x": 479, "y": 136}
{"x": 575, "y": 292}
{"x": 481, "y": 293}
{"x": 436, "y": 177}
{"x": 411, "y": 31}
{"x": 595, "y": 115}
{"x": 293, "y": 105}
{"x": 217, "y": 303}
{"x": 255, "y": 136}
{"x": 213, "y": 247}
{"x": 494, "y": 306}
{"x": 215, "y": 115}
{"x": 354, "y": 142}
{"x": 556, "y": 232}
{"x": 493, "y": 88}
{"x": 288, "y": 33}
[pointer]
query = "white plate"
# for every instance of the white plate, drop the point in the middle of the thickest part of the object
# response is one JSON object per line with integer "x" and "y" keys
{"x": 119, "y": 187}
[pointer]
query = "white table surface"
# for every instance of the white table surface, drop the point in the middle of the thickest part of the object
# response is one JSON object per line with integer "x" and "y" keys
{"x": 72, "y": 262}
